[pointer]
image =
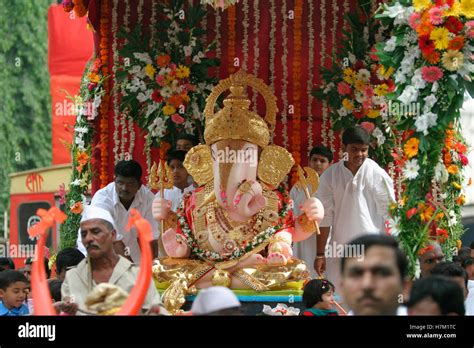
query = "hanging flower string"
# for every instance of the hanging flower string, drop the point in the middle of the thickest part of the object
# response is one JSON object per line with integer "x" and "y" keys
{"x": 231, "y": 54}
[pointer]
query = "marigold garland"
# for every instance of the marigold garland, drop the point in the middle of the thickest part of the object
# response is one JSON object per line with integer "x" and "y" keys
{"x": 322, "y": 40}
{"x": 309, "y": 84}
{"x": 104, "y": 107}
{"x": 256, "y": 48}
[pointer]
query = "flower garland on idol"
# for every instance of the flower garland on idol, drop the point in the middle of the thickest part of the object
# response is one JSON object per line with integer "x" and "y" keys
{"x": 356, "y": 86}
{"x": 165, "y": 83}
{"x": 87, "y": 104}
{"x": 431, "y": 50}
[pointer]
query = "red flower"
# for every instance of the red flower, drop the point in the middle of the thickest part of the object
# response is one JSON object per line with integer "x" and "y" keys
{"x": 156, "y": 96}
{"x": 343, "y": 88}
{"x": 431, "y": 74}
{"x": 425, "y": 250}
{"x": 454, "y": 25}
{"x": 425, "y": 43}
{"x": 177, "y": 119}
{"x": 358, "y": 114}
{"x": 464, "y": 160}
{"x": 431, "y": 56}
{"x": 456, "y": 44}
{"x": 359, "y": 65}
{"x": 461, "y": 148}
{"x": 411, "y": 212}
{"x": 442, "y": 235}
{"x": 391, "y": 86}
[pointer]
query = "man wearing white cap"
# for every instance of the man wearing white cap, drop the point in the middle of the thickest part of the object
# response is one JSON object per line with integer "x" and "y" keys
{"x": 216, "y": 300}
{"x": 103, "y": 264}
{"x": 118, "y": 198}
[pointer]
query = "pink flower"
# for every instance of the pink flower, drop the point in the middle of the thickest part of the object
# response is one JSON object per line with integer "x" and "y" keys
{"x": 189, "y": 87}
{"x": 436, "y": 15}
{"x": 470, "y": 29}
{"x": 367, "y": 104}
{"x": 414, "y": 20}
{"x": 464, "y": 160}
{"x": 369, "y": 92}
{"x": 177, "y": 119}
{"x": 343, "y": 88}
{"x": 91, "y": 86}
{"x": 431, "y": 73}
{"x": 373, "y": 54}
{"x": 368, "y": 126}
{"x": 173, "y": 67}
{"x": 160, "y": 79}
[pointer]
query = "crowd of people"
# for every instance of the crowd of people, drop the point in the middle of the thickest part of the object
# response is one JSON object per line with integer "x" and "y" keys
{"x": 355, "y": 193}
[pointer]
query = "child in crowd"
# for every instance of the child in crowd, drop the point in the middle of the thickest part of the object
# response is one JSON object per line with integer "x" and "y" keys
{"x": 13, "y": 293}
{"x": 318, "y": 298}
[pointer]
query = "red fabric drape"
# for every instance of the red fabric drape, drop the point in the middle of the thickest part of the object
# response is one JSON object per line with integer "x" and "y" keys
{"x": 70, "y": 45}
{"x": 334, "y": 11}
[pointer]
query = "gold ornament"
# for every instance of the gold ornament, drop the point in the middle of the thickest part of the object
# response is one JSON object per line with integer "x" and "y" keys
{"x": 161, "y": 178}
{"x": 274, "y": 164}
{"x": 235, "y": 120}
{"x": 221, "y": 277}
{"x": 198, "y": 163}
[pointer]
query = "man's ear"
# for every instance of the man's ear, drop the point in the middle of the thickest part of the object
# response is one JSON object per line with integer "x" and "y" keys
{"x": 114, "y": 234}
{"x": 2, "y": 293}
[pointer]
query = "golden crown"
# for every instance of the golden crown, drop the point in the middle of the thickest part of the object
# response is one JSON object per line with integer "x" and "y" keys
{"x": 236, "y": 120}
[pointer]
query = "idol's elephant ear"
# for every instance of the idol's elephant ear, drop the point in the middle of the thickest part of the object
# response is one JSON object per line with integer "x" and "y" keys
{"x": 198, "y": 163}
{"x": 275, "y": 163}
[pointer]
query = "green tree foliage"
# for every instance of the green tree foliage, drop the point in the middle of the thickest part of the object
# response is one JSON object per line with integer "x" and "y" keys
{"x": 25, "y": 102}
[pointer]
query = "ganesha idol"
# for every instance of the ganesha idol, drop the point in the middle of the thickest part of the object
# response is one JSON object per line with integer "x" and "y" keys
{"x": 237, "y": 228}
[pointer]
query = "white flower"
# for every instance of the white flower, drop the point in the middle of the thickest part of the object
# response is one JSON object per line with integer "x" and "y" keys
{"x": 359, "y": 96}
{"x": 393, "y": 225}
{"x": 138, "y": 71}
{"x": 352, "y": 58}
{"x": 443, "y": 195}
{"x": 329, "y": 87}
{"x": 452, "y": 218}
{"x": 409, "y": 95}
{"x": 144, "y": 57}
{"x": 144, "y": 96}
{"x": 188, "y": 126}
{"x": 435, "y": 87}
{"x": 158, "y": 127}
{"x": 76, "y": 182}
{"x": 196, "y": 59}
{"x": 378, "y": 100}
{"x": 400, "y": 77}
{"x": 430, "y": 101}
{"x": 441, "y": 174}
{"x": 411, "y": 169}
{"x": 81, "y": 129}
{"x": 363, "y": 74}
{"x": 394, "y": 11}
{"x": 378, "y": 134}
{"x": 421, "y": 123}
{"x": 391, "y": 44}
{"x": 342, "y": 112}
{"x": 188, "y": 50}
{"x": 152, "y": 107}
{"x": 166, "y": 92}
{"x": 403, "y": 18}
{"x": 417, "y": 81}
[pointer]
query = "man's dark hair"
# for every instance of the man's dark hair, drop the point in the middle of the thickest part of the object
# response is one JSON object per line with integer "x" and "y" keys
{"x": 10, "y": 276}
{"x": 55, "y": 289}
{"x": 472, "y": 245}
{"x": 175, "y": 155}
{"x": 129, "y": 169}
{"x": 68, "y": 257}
{"x": 450, "y": 269}
{"x": 442, "y": 290}
{"x": 367, "y": 241}
{"x": 323, "y": 151}
{"x": 313, "y": 291}
{"x": 356, "y": 135}
{"x": 29, "y": 261}
{"x": 184, "y": 136}
{"x": 7, "y": 261}
{"x": 464, "y": 253}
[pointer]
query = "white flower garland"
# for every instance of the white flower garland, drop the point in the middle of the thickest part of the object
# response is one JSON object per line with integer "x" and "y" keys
{"x": 256, "y": 51}
{"x": 322, "y": 36}
{"x": 153, "y": 21}
{"x": 335, "y": 23}
{"x": 284, "y": 61}
{"x": 309, "y": 84}
{"x": 140, "y": 10}
{"x": 116, "y": 110}
{"x": 245, "y": 43}
{"x": 123, "y": 118}
{"x": 272, "y": 47}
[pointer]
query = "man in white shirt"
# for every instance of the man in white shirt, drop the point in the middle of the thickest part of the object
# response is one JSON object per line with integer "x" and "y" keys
{"x": 320, "y": 158}
{"x": 356, "y": 194}
{"x": 118, "y": 198}
{"x": 181, "y": 186}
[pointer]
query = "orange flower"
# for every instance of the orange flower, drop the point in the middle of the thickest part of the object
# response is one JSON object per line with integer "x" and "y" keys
{"x": 461, "y": 148}
{"x": 461, "y": 200}
{"x": 431, "y": 56}
{"x": 442, "y": 235}
{"x": 426, "y": 212}
{"x": 411, "y": 212}
{"x": 175, "y": 100}
{"x": 456, "y": 44}
{"x": 447, "y": 159}
{"x": 453, "y": 169}
{"x": 425, "y": 28}
{"x": 439, "y": 216}
{"x": 76, "y": 208}
{"x": 411, "y": 147}
{"x": 163, "y": 60}
{"x": 425, "y": 250}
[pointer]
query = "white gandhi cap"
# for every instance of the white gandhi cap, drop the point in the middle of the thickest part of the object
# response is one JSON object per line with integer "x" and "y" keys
{"x": 214, "y": 299}
{"x": 93, "y": 212}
